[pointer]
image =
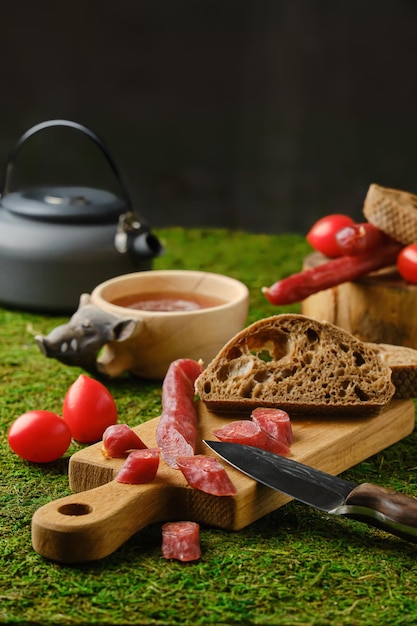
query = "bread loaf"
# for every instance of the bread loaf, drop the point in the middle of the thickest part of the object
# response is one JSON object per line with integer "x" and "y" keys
{"x": 392, "y": 211}
{"x": 298, "y": 364}
{"x": 403, "y": 364}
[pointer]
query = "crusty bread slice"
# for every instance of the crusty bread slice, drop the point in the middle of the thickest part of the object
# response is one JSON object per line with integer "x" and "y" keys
{"x": 298, "y": 364}
{"x": 393, "y": 211}
{"x": 403, "y": 363}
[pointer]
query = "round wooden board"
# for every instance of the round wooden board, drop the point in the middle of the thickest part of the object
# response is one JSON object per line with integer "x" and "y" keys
{"x": 380, "y": 307}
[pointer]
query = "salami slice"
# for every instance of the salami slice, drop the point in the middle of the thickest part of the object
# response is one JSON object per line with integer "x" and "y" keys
{"x": 275, "y": 422}
{"x": 176, "y": 433}
{"x": 249, "y": 433}
{"x": 119, "y": 439}
{"x": 181, "y": 541}
{"x": 206, "y": 474}
{"x": 140, "y": 467}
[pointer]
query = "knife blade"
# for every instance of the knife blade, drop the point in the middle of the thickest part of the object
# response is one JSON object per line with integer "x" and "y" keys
{"x": 372, "y": 504}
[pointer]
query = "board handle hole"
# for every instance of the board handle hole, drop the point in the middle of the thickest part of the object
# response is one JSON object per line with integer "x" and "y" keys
{"x": 75, "y": 509}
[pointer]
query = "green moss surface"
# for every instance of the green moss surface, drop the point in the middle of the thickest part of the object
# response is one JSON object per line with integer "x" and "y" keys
{"x": 295, "y": 566}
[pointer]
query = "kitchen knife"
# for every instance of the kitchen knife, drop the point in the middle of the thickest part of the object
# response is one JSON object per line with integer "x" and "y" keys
{"x": 393, "y": 512}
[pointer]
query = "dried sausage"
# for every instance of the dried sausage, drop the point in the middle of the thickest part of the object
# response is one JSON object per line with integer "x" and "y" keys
{"x": 181, "y": 541}
{"x": 176, "y": 433}
{"x": 299, "y": 286}
{"x": 206, "y": 474}
{"x": 249, "y": 433}
{"x": 140, "y": 467}
{"x": 119, "y": 439}
{"x": 275, "y": 422}
{"x": 362, "y": 237}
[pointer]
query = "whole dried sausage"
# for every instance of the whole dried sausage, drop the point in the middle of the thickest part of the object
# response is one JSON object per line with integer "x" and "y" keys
{"x": 299, "y": 286}
{"x": 176, "y": 433}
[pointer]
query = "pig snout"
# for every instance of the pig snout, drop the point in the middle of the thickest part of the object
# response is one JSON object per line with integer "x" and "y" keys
{"x": 70, "y": 351}
{"x": 80, "y": 343}
{"x": 43, "y": 345}
{"x": 66, "y": 349}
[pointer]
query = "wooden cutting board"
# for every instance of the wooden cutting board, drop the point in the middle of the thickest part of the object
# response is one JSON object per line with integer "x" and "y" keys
{"x": 102, "y": 513}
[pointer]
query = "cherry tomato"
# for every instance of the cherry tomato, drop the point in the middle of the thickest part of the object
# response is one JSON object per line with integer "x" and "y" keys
{"x": 39, "y": 436}
{"x": 88, "y": 409}
{"x": 407, "y": 263}
{"x": 322, "y": 235}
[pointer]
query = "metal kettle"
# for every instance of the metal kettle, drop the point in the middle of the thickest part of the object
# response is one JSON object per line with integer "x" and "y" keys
{"x": 59, "y": 242}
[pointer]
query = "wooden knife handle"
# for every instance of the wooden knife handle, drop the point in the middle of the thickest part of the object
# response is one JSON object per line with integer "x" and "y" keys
{"x": 385, "y": 509}
{"x": 92, "y": 524}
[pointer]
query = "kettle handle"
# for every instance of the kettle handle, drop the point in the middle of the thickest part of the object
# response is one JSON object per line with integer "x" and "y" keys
{"x": 49, "y": 123}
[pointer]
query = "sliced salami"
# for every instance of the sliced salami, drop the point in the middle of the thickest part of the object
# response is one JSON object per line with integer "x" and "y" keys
{"x": 181, "y": 541}
{"x": 119, "y": 439}
{"x": 176, "y": 433}
{"x": 206, "y": 474}
{"x": 275, "y": 422}
{"x": 140, "y": 467}
{"x": 249, "y": 433}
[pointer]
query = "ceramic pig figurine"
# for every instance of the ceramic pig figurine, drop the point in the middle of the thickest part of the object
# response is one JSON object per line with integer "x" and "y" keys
{"x": 79, "y": 341}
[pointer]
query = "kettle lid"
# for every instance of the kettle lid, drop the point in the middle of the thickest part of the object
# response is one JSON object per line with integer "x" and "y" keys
{"x": 65, "y": 204}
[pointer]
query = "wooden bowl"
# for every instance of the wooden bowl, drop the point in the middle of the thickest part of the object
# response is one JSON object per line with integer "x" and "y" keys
{"x": 164, "y": 336}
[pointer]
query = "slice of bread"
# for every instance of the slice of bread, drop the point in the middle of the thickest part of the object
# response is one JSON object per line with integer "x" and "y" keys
{"x": 298, "y": 364}
{"x": 403, "y": 363}
{"x": 392, "y": 211}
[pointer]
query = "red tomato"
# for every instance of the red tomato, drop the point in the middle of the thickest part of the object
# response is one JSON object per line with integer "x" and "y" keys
{"x": 322, "y": 235}
{"x": 39, "y": 436}
{"x": 88, "y": 409}
{"x": 407, "y": 263}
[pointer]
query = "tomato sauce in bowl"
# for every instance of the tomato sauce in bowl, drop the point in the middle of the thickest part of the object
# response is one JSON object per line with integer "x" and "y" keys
{"x": 168, "y": 301}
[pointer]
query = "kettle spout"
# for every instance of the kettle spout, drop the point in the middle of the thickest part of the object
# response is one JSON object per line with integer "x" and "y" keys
{"x": 147, "y": 245}
{"x": 134, "y": 238}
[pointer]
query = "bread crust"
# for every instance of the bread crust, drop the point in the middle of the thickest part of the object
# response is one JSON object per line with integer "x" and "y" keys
{"x": 300, "y": 365}
{"x": 402, "y": 361}
{"x": 393, "y": 211}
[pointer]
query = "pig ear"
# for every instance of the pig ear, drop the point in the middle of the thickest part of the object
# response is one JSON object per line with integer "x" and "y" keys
{"x": 123, "y": 329}
{"x": 85, "y": 299}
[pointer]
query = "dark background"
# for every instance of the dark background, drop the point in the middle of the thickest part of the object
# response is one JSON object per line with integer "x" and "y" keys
{"x": 256, "y": 114}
